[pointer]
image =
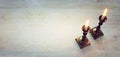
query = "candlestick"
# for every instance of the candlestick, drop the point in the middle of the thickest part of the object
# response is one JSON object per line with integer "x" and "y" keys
{"x": 96, "y": 31}
{"x": 83, "y": 40}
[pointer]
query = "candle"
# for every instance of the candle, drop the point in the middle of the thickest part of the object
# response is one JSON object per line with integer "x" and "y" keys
{"x": 104, "y": 14}
{"x": 86, "y": 25}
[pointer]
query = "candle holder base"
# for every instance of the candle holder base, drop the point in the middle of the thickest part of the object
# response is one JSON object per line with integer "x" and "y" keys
{"x": 94, "y": 34}
{"x": 82, "y": 44}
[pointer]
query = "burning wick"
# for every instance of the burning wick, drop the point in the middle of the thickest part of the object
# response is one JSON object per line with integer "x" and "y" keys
{"x": 104, "y": 14}
{"x": 86, "y": 25}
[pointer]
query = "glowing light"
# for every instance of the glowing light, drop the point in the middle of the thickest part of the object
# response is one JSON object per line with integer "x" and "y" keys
{"x": 104, "y": 13}
{"x": 86, "y": 24}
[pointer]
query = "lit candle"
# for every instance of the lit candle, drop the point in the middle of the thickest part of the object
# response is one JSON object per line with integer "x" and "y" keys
{"x": 86, "y": 25}
{"x": 104, "y": 14}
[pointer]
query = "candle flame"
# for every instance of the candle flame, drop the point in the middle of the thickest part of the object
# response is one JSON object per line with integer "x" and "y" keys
{"x": 105, "y": 12}
{"x": 87, "y": 23}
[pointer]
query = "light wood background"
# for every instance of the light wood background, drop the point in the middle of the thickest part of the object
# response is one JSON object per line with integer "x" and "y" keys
{"x": 48, "y": 28}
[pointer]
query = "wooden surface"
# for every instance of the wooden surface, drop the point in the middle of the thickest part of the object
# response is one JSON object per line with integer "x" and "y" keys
{"x": 48, "y": 28}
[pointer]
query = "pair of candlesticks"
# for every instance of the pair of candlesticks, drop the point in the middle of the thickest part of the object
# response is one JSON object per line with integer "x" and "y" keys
{"x": 96, "y": 32}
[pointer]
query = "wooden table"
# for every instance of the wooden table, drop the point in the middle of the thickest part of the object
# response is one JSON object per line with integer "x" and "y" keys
{"x": 37, "y": 28}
